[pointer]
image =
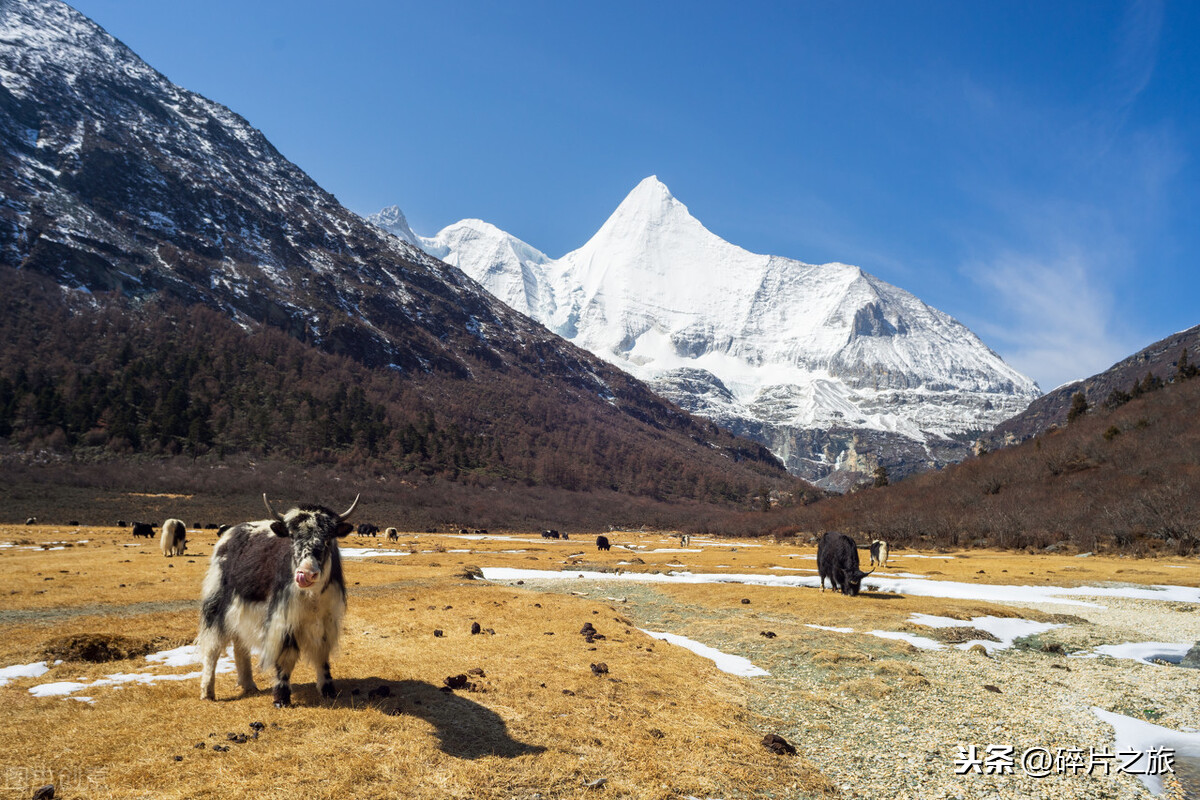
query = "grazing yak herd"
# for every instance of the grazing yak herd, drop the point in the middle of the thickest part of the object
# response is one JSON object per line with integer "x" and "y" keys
{"x": 276, "y": 586}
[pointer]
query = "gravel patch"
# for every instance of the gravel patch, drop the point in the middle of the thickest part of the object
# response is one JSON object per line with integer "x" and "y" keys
{"x": 884, "y": 719}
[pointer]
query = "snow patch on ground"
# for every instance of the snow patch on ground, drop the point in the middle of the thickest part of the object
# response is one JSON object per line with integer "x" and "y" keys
{"x": 179, "y": 657}
{"x": 906, "y": 586}
{"x": 1144, "y": 652}
{"x": 365, "y": 552}
{"x": 1006, "y": 629}
{"x": 1137, "y": 736}
{"x": 734, "y": 665}
{"x": 34, "y": 670}
{"x": 923, "y": 642}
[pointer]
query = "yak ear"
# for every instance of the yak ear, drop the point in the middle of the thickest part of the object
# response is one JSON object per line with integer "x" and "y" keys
{"x": 343, "y": 529}
{"x": 279, "y": 529}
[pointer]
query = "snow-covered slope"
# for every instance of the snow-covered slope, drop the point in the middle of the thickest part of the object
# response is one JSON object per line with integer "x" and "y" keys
{"x": 829, "y": 366}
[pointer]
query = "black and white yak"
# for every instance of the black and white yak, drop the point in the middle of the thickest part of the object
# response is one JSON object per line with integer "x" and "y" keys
{"x": 275, "y": 586}
{"x": 879, "y": 553}
{"x": 173, "y": 540}
{"x": 837, "y": 559}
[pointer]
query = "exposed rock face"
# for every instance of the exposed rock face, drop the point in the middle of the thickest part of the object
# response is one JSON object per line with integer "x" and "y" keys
{"x": 797, "y": 356}
{"x": 1192, "y": 658}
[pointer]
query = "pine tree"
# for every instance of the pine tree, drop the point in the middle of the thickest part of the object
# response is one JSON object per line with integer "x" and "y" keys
{"x": 881, "y": 476}
{"x": 1185, "y": 369}
{"x": 1079, "y": 407}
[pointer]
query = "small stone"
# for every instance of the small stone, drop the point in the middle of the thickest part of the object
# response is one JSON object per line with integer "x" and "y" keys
{"x": 745, "y": 601}
{"x": 438, "y": 633}
{"x": 179, "y": 758}
{"x": 456, "y": 681}
{"x": 256, "y": 726}
{"x": 596, "y": 784}
{"x": 44, "y": 793}
{"x": 568, "y": 693}
{"x": 600, "y": 669}
{"x": 475, "y": 628}
{"x": 767, "y": 634}
{"x": 779, "y": 745}
{"x": 991, "y": 688}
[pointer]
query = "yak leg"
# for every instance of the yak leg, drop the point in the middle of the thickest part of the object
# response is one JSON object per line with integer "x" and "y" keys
{"x": 241, "y": 657}
{"x": 211, "y": 643}
{"x": 325, "y": 680}
{"x": 285, "y": 662}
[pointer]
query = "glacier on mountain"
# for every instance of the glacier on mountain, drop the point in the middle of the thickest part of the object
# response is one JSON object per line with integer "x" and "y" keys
{"x": 833, "y": 369}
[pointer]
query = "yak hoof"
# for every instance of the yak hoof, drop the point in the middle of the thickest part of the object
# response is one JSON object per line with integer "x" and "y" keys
{"x": 327, "y": 691}
{"x": 283, "y": 696}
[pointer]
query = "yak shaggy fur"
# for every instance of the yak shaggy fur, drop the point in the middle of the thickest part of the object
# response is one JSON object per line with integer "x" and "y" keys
{"x": 275, "y": 586}
{"x": 173, "y": 540}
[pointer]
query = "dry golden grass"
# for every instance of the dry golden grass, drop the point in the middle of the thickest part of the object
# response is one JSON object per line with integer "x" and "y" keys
{"x": 660, "y": 723}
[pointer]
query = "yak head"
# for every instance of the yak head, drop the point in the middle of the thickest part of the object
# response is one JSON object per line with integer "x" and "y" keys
{"x": 852, "y": 581}
{"x": 314, "y": 531}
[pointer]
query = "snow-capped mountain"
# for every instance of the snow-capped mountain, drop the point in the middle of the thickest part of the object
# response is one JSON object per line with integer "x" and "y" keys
{"x": 830, "y": 367}
{"x": 116, "y": 184}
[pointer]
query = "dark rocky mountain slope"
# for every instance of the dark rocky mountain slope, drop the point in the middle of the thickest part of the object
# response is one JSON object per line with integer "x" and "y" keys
{"x": 1158, "y": 361}
{"x": 157, "y": 225}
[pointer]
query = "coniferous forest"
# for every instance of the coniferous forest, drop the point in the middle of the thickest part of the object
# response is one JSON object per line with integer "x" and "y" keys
{"x": 94, "y": 385}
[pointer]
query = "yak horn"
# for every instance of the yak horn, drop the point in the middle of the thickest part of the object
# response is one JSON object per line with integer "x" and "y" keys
{"x": 272, "y": 511}
{"x": 346, "y": 514}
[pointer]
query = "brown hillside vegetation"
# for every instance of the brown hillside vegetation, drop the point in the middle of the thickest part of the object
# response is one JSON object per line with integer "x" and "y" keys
{"x": 1125, "y": 478}
{"x": 1161, "y": 361}
{"x": 125, "y": 381}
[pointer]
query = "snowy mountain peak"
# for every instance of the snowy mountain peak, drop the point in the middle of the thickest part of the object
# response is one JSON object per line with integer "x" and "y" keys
{"x": 392, "y": 220}
{"x": 510, "y": 268}
{"x": 829, "y": 366}
{"x": 650, "y": 218}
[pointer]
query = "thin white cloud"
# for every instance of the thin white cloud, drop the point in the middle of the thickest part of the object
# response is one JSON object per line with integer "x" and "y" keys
{"x": 1056, "y": 312}
{"x": 1138, "y": 49}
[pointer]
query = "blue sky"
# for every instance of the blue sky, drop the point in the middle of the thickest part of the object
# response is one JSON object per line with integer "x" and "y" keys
{"x": 1027, "y": 167}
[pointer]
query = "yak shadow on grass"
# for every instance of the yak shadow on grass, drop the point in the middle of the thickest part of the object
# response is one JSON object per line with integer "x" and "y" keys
{"x": 465, "y": 729}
